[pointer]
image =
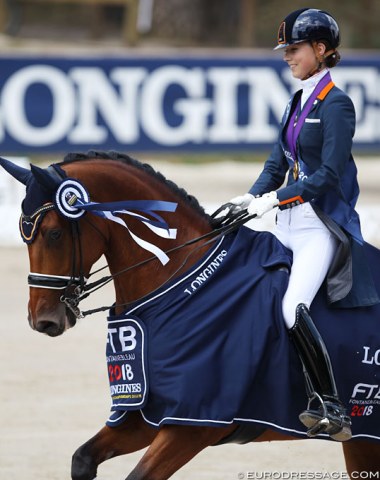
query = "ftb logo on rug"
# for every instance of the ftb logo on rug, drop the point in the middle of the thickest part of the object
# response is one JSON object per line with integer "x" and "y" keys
{"x": 126, "y": 362}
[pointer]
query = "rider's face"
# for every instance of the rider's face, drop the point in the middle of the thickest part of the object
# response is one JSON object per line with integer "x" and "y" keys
{"x": 301, "y": 59}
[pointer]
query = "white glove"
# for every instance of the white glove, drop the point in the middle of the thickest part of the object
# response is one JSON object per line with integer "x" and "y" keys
{"x": 241, "y": 202}
{"x": 261, "y": 205}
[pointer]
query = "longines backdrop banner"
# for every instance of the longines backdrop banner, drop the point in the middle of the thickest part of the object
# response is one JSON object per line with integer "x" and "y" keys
{"x": 145, "y": 104}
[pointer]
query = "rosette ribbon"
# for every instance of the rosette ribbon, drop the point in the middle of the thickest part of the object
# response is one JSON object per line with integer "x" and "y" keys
{"x": 72, "y": 200}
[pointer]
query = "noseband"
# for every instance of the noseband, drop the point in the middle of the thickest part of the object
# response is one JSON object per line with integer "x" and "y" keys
{"x": 52, "y": 282}
{"x": 72, "y": 286}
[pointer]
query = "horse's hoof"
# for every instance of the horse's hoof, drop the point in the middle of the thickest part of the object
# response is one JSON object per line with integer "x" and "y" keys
{"x": 82, "y": 467}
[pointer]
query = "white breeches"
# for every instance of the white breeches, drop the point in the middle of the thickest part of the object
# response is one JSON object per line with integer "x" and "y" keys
{"x": 313, "y": 247}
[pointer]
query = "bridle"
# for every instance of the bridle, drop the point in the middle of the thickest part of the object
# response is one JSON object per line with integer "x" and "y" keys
{"x": 72, "y": 286}
{"x": 75, "y": 287}
{"x": 72, "y": 201}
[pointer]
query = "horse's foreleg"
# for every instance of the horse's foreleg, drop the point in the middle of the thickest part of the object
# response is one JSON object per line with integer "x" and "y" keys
{"x": 362, "y": 458}
{"x": 134, "y": 434}
{"x": 173, "y": 447}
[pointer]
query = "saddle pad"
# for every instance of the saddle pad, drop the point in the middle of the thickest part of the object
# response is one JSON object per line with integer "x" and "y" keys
{"x": 219, "y": 351}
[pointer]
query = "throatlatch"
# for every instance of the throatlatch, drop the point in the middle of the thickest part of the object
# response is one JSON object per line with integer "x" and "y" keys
{"x": 330, "y": 416}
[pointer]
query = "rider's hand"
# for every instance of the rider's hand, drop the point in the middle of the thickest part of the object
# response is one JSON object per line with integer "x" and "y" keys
{"x": 259, "y": 206}
{"x": 241, "y": 202}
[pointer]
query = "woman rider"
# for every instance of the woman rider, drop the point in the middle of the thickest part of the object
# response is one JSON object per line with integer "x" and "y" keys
{"x": 316, "y": 217}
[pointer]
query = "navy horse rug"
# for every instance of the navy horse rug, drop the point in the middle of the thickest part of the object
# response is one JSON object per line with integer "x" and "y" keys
{"x": 211, "y": 347}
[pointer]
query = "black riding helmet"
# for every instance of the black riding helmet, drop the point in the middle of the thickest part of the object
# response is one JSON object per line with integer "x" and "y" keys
{"x": 308, "y": 24}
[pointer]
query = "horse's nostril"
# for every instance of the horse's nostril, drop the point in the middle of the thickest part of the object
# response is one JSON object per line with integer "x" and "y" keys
{"x": 50, "y": 328}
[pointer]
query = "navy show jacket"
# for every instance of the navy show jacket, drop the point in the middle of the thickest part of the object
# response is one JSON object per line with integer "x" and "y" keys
{"x": 328, "y": 180}
{"x": 324, "y": 149}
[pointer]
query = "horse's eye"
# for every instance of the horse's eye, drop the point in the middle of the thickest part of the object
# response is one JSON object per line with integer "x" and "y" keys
{"x": 55, "y": 234}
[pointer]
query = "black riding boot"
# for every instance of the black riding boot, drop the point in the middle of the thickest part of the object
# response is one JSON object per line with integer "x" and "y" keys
{"x": 330, "y": 416}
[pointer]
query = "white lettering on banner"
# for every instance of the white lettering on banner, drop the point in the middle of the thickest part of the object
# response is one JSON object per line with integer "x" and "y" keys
{"x": 13, "y": 105}
{"x": 194, "y": 109}
{"x": 261, "y": 100}
{"x": 88, "y": 105}
{"x": 362, "y": 85}
{"x": 267, "y": 94}
{"x": 96, "y": 94}
{"x": 225, "y": 82}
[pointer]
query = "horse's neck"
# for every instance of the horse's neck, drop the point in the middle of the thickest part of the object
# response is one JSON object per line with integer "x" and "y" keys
{"x": 142, "y": 280}
{"x": 123, "y": 252}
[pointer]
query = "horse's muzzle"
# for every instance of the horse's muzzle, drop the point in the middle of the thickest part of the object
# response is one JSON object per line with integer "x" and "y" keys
{"x": 53, "y": 325}
{"x": 50, "y": 328}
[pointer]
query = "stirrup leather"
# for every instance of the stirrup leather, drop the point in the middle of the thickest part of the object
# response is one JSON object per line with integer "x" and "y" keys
{"x": 330, "y": 417}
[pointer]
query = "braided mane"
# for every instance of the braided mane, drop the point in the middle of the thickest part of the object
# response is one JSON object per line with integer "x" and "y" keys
{"x": 120, "y": 157}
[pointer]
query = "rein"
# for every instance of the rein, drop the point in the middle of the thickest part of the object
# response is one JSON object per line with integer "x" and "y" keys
{"x": 228, "y": 226}
{"x": 75, "y": 287}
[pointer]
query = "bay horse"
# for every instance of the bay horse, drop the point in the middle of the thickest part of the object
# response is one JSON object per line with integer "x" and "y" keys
{"x": 63, "y": 250}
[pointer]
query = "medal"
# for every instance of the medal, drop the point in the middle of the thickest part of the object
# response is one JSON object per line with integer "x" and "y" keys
{"x": 296, "y": 169}
{"x": 294, "y": 124}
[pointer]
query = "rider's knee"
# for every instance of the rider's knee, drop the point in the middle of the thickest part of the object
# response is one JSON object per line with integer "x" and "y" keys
{"x": 289, "y": 307}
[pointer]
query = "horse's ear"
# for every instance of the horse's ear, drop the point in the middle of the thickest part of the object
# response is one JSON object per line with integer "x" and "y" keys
{"x": 21, "y": 174}
{"x": 44, "y": 178}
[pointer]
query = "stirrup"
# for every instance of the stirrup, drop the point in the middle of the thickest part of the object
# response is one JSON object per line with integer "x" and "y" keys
{"x": 330, "y": 418}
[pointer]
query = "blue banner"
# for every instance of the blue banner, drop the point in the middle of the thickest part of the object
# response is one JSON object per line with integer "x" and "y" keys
{"x": 158, "y": 104}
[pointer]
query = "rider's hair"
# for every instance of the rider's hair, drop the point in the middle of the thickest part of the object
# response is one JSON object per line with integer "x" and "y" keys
{"x": 332, "y": 58}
